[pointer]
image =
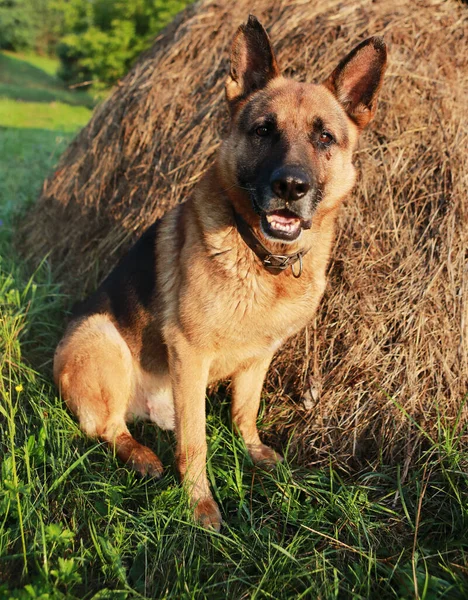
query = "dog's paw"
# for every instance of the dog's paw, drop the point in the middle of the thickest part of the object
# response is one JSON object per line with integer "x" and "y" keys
{"x": 145, "y": 462}
{"x": 207, "y": 513}
{"x": 264, "y": 456}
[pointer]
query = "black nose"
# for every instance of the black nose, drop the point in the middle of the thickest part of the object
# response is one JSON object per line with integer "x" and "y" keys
{"x": 289, "y": 183}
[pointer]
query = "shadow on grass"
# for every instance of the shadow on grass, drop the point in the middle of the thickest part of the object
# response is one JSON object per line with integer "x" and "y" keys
{"x": 27, "y": 157}
{"x": 20, "y": 80}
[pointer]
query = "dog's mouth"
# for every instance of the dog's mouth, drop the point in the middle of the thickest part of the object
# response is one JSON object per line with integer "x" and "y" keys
{"x": 281, "y": 224}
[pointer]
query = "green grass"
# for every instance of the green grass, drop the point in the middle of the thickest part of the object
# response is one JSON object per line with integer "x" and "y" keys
{"x": 75, "y": 523}
{"x": 38, "y": 118}
{"x": 37, "y": 115}
{"x": 47, "y": 65}
{"x": 32, "y": 78}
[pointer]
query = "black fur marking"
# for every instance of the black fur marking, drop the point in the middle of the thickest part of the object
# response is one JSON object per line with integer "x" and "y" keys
{"x": 131, "y": 285}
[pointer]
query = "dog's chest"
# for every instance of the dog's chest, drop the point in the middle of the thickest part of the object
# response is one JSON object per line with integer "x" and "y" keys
{"x": 254, "y": 327}
{"x": 249, "y": 317}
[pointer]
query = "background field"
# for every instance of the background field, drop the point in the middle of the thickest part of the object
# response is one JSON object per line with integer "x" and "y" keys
{"x": 74, "y": 523}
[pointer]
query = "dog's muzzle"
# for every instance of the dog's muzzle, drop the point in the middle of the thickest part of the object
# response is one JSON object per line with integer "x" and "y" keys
{"x": 285, "y": 212}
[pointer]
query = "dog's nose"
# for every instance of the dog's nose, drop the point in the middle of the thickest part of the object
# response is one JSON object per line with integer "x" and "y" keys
{"x": 290, "y": 184}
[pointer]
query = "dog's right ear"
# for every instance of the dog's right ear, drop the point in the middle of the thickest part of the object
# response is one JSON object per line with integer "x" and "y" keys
{"x": 253, "y": 63}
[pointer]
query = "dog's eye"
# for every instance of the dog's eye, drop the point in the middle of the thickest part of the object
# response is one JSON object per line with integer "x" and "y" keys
{"x": 263, "y": 130}
{"x": 326, "y": 138}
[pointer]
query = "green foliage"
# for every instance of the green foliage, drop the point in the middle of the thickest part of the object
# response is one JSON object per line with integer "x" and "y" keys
{"x": 30, "y": 25}
{"x": 96, "y": 41}
{"x": 106, "y": 36}
{"x": 17, "y": 27}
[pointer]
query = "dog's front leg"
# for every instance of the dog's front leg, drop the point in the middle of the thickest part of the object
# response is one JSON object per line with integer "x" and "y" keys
{"x": 247, "y": 389}
{"x": 189, "y": 369}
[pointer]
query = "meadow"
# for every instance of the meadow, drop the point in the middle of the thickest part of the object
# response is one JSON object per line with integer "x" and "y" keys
{"x": 75, "y": 523}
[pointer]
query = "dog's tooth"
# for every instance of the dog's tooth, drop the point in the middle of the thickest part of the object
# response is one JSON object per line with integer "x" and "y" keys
{"x": 287, "y": 227}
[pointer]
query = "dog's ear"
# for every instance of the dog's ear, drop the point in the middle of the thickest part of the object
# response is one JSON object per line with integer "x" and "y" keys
{"x": 356, "y": 81}
{"x": 253, "y": 62}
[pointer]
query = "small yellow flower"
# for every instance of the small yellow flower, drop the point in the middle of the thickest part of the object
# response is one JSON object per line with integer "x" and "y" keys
{"x": 19, "y": 388}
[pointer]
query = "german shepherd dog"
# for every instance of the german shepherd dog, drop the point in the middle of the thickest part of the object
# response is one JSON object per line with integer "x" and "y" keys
{"x": 215, "y": 287}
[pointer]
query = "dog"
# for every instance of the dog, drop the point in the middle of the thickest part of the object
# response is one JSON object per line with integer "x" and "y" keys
{"x": 215, "y": 287}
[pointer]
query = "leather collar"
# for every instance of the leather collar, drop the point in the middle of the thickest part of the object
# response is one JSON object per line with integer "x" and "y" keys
{"x": 274, "y": 263}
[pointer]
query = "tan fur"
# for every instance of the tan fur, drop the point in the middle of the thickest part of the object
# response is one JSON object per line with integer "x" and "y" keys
{"x": 220, "y": 313}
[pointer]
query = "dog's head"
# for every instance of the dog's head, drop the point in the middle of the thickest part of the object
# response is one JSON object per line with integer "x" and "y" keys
{"x": 288, "y": 157}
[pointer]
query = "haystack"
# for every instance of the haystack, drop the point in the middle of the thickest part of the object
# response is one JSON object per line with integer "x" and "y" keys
{"x": 388, "y": 351}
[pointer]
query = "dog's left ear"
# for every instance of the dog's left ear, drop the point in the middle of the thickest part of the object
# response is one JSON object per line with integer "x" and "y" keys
{"x": 253, "y": 62}
{"x": 356, "y": 81}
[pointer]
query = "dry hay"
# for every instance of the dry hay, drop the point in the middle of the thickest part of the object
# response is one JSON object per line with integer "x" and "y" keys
{"x": 393, "y": 326}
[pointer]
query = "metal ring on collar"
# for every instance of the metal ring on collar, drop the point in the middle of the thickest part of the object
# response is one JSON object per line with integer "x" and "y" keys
{"x": 300, "y": 267}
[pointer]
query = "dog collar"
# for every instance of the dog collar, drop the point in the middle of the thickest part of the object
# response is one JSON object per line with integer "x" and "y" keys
{"x": 274, "y": 263}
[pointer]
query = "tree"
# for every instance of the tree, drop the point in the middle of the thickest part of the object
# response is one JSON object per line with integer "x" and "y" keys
{"x": 106, "y": 36}
{"x": 17, "y": 26}
{"x": 33, "y": 24}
